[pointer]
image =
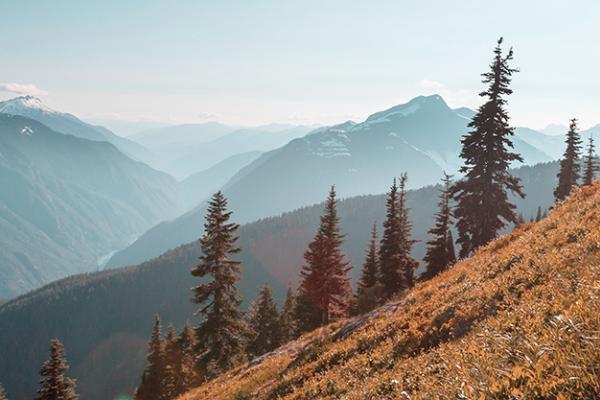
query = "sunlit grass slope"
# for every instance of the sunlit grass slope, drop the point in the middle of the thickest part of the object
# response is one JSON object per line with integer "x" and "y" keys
{"x": 518, "y": 320}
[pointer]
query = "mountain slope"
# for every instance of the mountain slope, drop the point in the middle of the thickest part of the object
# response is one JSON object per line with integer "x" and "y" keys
{"x": 421, "y": 137}
{"x": 67, "y": 202}
{"x": 520, "y": 319}
{"x": 107, "y": 354}
{"x": 201, "y": 185}
{"x": 32, "y": 107}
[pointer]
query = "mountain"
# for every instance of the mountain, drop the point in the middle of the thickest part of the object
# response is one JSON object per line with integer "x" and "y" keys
{"x": 176, "y": 137}
{"x": 34, "y": 108}
{"x": 105, "y": 318}
{"x": 555, "y": 129}
{"x": 69, "y": 201}
{"x": 553, "y": 146}
{"x": 421, "y": 137}
{"x": 242, "y": 140}
{"x": 201, "y": 185}
{"x": 518, "y": 320}
{"x": 186, "y": 149}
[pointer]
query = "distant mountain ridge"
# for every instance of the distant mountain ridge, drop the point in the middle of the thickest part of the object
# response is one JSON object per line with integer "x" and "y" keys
{"x": 32, "y": 107}
{"x": 68, "y": 201}
{"x": 421, "y": 137}
{"x": 190, "y": 148}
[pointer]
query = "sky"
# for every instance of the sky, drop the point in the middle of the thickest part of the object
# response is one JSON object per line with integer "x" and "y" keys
{"x": 300, "y": 62}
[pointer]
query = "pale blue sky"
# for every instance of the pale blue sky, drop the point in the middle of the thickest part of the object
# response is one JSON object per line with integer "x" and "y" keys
{"x": 255, "y": 62}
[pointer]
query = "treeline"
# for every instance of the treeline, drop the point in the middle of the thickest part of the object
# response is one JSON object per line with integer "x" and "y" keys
{"x": 477, "y": 206}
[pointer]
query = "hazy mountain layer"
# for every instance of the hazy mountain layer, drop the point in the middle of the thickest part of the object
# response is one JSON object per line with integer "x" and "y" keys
{"x": 67, "y": 202}
{"x": 421, "y": 137}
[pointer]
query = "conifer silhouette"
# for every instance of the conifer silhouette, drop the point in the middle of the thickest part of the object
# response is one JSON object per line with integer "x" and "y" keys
{"x": 483, "y": 208}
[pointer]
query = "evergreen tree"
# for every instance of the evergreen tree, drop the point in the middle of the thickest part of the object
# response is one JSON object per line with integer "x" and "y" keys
{"x": 569, "y": 165}
{"x": 538, "y": 214}
{"x": 367, "y": 292}
{"x": 185, "y": 360}
{"x": 222, "y": 331}
{"x": 591, "y": 165}
{"x": 171, "y": 364}
{"x": 407, "y": 264}
{"x": 264, "y": 323}
{"x": 389, "y": 248}
{"x": 54, "y": 384}
{"x": 2, "y": 393}
{"x": 324, "y": 285}
{"x": 151, "y": 387}
{"x": 288, "y": 320}
{"x": 483, "y": 208}
{"x": 440, "y": 249}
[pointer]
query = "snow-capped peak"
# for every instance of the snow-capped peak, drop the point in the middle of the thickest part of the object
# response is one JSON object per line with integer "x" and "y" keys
{"x": 24, "y": 105}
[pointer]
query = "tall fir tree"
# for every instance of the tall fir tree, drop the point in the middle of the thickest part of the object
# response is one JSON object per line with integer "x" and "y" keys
{"x": 440, "y": 250}
{"x": 591, "y": 164}
{"x": 367, "y": 291}
{"x": 407, "y": 264}
{"x": 221, "y": 333}
{"x": 483, "y": 208}
{"x": 389, "y": 247}
{"x": 288, "y": 321}
{"x": 264, "y": 323}
{"x": 54, "y": 384}
{"x": 151, "y": 387}
{"x": 324, "y": 282}
{"x": 570, "y": 167}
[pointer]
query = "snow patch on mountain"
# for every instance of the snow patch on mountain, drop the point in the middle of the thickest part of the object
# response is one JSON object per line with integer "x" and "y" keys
{"x": 24, "y": 104}
{"x": 27, "y": 131}
{"x": 334, "y": 144}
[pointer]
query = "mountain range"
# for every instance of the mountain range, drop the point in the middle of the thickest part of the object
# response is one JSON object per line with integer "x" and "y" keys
{"x": 68, "y": 201}
{"x": 107, "y": 352}
{"x": 32, "y": 107}
{"x": 421, "y": 137}
{"x": 186, "y": 149}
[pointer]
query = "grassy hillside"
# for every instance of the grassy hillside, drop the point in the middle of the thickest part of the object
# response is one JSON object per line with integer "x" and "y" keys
{"x": 518, "y": 320}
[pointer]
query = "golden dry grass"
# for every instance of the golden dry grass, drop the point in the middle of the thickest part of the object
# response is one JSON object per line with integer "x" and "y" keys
{"x": 518, "y": 320}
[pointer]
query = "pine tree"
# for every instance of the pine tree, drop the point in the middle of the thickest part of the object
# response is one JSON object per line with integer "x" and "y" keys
{"x": 538, "y": 214}
{"x": 591, "y": 165}
{"x": 222, "y": 331}
{"x": 288, "y": 320}
{"x": 186, "y": 360}
{"x": 569, "y": 165}
{"x": 324, "y": 284}
{"x": 264, "y": 323}
{"x": 151, "y": 387}
{"x": 2, "y": 393}
{"x": 440, "y": 250}
{"x": 171, "y": 364}
{"x": 483, "y": 208}
{"x": 367, "y": 292}
{"x": 54, "y": 384}
{"x": 389, "y": 247}
{"x": 407, "y": 264}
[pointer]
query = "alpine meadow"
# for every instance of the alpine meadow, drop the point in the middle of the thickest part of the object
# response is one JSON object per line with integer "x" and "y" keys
{"x": 299, "y": 200}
